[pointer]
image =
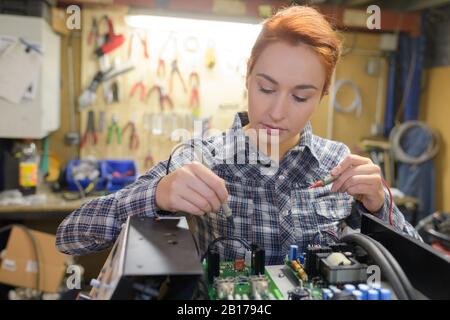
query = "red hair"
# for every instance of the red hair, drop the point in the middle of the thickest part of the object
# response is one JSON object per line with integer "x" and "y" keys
{"x": 300, "y": 24}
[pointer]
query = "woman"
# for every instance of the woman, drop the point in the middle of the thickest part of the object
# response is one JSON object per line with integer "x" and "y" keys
{"x": 289, "y": 72}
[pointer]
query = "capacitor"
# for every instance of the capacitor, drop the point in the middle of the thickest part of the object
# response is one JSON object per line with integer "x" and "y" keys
{"x": 258, "y": 261}
{"x": 293, "y": 252}
{"x": 334, "y": 289}
{"x": 349, "y": 287}
{"x": 373, "y": 294}
{"x": 213, "y": 260}
{"x": 302, "y": 258}
{"x": 326, "y": 294}
{"x": 385, "y": 294}
{"x": 364, "y": 288}
{"x": 358, "y": 294}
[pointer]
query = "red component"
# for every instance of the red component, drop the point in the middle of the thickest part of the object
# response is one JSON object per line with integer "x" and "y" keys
{"x": 316, "y": 185}
{"x": 239, "y": 264}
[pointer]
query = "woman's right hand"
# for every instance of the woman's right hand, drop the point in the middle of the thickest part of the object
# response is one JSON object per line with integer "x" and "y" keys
{"x": 193, "y": 189}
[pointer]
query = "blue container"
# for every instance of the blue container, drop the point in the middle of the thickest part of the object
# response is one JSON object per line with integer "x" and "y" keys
{"x": 121, "y": 166}
{"x": 71, "y": 186}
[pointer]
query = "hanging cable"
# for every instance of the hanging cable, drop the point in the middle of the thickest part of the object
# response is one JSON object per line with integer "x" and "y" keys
{"x": 355, "y": 106}
{"x": 398, "y": 132}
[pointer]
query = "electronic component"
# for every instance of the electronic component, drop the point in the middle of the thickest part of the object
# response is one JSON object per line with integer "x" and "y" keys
{"x": 260, "y": 286}
{"x": 224, "y": 287}
{"x": 213, "y": 265}
{"x": 299, "y": 293}
{"x": 293, "y": 252}
{"x": 311, "y": 261}
{"x": 239, "y": 264}
{"x": 333, "y": 273}
{"x": 258, "y": 259}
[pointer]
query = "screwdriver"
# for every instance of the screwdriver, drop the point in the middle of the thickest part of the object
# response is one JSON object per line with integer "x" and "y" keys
{"x": 225, "y": 207}
{"x": 324, "y": 181}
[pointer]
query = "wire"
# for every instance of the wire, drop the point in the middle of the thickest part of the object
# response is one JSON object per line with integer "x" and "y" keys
{"x": 220, "y": 239}
{"x": 356, "y": 104}
{"x": 397, "y": 134}
{"x": 191, "y": 144}
{"x": 396, "y": 267}
{"x": 381, "y": 260}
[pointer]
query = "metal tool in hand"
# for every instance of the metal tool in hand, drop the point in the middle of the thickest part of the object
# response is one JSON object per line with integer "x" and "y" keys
{"x": 225, "y": 207}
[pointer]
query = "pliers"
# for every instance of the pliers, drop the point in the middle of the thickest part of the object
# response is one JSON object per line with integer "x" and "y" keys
{"x": 90, "y": 133}
{"x": 175, "y": 71}
{"x": 194, "y": 83}
{"x": 114, "y": 128}
{"x": 134, "y": 138}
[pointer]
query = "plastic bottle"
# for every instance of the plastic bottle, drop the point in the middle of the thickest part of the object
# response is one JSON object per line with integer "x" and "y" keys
{"x": 28, "y": 168}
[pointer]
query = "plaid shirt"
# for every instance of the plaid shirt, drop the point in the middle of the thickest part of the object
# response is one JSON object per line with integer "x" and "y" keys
{"x": 273, "y": 210}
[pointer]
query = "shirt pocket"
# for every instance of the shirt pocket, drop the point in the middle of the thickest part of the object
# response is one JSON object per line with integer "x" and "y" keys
{"x": 318, "y": 212}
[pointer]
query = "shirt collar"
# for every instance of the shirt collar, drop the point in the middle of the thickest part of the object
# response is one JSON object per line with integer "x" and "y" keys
{"x": 241, "y": 120}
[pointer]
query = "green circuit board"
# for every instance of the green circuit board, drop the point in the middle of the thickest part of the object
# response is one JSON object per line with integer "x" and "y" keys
{"x": 242, "y": 282}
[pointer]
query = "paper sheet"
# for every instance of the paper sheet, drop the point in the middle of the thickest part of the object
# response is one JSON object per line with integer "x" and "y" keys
{"x": 19, "y": 69}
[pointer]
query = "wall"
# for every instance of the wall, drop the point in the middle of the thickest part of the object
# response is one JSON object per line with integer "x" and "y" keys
{"x": 348, "y": 127}
{"x": 435, "y": 105}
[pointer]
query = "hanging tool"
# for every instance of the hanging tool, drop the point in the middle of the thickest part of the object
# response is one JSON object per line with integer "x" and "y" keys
{"x": 90, "y": 133}
{"x": 194, "y": 83}
{"x": 210, "y": 55}
{"x": 89, "y": 96}
{"x": 101, "y": 121}
{"x": 134, "y": 138}
{"x": 175, "y": 71}
{"x": 94, "y": 32}
{"x": 142, "y": 37}
{"x": 114, "y": 129}
{"x": 139, "y": 85}
{"x": 149, "y": 160}
{"x": 112, "y": 40}
{"x": 72, "y": 138}
{"x": 163, "y": 95}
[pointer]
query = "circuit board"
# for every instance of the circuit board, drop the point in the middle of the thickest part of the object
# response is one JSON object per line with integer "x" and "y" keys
{"x": 327, "y": 275}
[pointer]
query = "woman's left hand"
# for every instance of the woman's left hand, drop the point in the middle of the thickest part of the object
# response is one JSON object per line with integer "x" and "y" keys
{"x": 360, "y": 178}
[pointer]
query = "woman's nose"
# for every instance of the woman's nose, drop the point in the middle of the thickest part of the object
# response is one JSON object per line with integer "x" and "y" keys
{"x": 278, "y": 111}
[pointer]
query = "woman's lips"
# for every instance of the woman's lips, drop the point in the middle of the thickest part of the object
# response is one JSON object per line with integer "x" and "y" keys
{"x": 270, "y": 129}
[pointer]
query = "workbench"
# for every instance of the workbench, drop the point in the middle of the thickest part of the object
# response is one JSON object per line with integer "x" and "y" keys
{"x": 54, "y": 208}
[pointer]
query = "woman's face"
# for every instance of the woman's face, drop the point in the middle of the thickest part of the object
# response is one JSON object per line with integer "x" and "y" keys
{"x": 284, "y": 89}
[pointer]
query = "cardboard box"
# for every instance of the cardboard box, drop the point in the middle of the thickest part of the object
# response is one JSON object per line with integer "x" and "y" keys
{"x": 19, "y": 266}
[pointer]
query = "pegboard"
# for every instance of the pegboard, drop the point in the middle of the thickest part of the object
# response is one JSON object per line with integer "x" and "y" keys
{"x": 221, "y": 84}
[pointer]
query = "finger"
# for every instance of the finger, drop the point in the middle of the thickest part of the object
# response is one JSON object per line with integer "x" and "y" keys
{"x": 371, "y": 180}
{"x": 213, "y": 181}
{"x": 187, "y": 206}
{"x": 349, "y": 161}
{"x": 193, "y": 196}
{"x": 358, "y": 170}
{"x": 201, "y": 188}
{"x": 358, "y": 190}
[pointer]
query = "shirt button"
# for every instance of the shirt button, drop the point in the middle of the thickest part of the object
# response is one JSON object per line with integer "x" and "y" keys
{"x": 281, "y": 177}
{"x": 285, "y": 213}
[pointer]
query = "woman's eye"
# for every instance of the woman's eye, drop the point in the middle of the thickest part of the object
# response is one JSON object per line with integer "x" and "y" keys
{"x": 299, "y": 99}
{"x": 264, "y": 90}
